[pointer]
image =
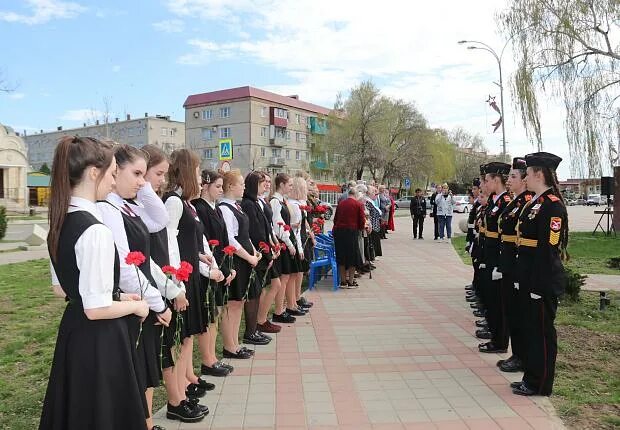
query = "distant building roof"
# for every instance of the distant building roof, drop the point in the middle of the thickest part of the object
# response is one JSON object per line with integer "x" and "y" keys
{"x": 37, "y": 179}
{"x": 245, "y": 92}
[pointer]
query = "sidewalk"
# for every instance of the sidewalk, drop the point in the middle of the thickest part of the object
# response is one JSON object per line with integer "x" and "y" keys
{"x": 398, "y": 353}
{"x": 602, "y": 283}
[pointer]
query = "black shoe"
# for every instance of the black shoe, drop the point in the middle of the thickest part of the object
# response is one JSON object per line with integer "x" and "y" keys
{"x": 469, "y": 287}
{"x": 255, "y": 339}
{"x": 283, "y": 318}
{"x": 295, "y": 312}
{"x": 472, "y": 299}
{"x": 513, "y": 364}
{"x": 226, "y": 366}
{"x": 263, "y": 335}
{"x": 482, "y": 323}
{"x": 216, "y": 370}
{"x": 523, "y": 390}
{"x": 476, "y": 305}
{"x": 304, "y": 303}
{"x": 248, "y": 350}
{"x": 479, "y": 313}
{"x": 157, "y": 427}
{"x": 421, "y": 238}
{"x": 490, "y": 348}
{"x": 185, "y": 412}
{"x": 242, "y": 354}
{"x": 483, "y": 334}
{"x": 201, "y": 408}
{"x": 193, "y": 391}
{"x": 516, "y": 384}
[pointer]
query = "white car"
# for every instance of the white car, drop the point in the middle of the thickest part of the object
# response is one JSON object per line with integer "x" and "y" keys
{"x": 462, "y": 204}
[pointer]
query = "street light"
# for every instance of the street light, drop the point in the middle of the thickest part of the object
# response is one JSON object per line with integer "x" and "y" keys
{"x": 484, "y": 47}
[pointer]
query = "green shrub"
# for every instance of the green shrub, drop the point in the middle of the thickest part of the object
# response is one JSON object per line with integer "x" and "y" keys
{"x": 3, "y": 222}
{"x": 574, "y": 282}
{"x": 614, "y": 263}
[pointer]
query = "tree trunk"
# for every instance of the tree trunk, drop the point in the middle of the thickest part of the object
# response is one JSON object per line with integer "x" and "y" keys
{"x": 617, "y": 198}
{"x": 359, "y": 172}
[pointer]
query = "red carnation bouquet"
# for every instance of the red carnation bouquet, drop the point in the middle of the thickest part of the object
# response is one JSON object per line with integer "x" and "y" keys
{"x": 135, "y": 259}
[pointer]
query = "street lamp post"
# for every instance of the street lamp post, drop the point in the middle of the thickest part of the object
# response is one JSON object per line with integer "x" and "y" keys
{"x": 474, "y": 44}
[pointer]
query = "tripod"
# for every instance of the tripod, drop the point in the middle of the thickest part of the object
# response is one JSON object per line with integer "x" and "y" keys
{"x": 609, "y": 214}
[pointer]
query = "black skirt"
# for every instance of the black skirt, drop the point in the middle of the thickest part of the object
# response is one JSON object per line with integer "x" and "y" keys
{"x": 167, "y": 340}
{"x": 275, "y": 271}
{"x": 375, "y": 238}
{"x": 93, "y": 382}
{"x": 239, "y": 286}
{"x": 193, "y": 317}
{"x": 148, "y": 348}
{"x": 289, "y": 264}
{"x": 209, "y": 307}
{"x": 346, "y": 242}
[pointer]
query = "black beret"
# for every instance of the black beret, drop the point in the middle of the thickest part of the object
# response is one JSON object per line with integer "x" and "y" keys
{"x": 483, "y": 169}
{"x": 498, "y": 168}
{"x": 543, "y": 159}
{"x": 476, "y": 182}
{"x": 519, "y": 163}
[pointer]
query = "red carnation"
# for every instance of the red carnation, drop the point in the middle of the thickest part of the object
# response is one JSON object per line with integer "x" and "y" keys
{"x": 135, "y": 258}
{"x": 316, "y": 229}
{"x": 186, "y": 266}
{"x": 182, "y": 274}
{"x": 280, "y": 223}
{"x": 229, "y": 250}
{"x": 169, "y": 270}
{"x": 287, "y": 227}
{"x": 264, "y": 247}
{"x": 320, "y": 221}
{"x": 214, "y": 242}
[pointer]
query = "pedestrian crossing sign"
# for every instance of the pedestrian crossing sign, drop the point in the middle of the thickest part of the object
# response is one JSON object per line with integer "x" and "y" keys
{"x": 226, "y": 150}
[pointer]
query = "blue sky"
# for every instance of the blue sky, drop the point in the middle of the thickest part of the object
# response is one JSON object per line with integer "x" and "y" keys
{"x": 66, "y": 57}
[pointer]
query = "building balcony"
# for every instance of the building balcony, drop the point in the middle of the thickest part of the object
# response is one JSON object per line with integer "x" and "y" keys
{"x": 278, "y": 117}
{"x": 317, "y": 125}
{"x": 277, "y": 141}
{"x": 276, "y": 162}
{"x": 320, "y": 165}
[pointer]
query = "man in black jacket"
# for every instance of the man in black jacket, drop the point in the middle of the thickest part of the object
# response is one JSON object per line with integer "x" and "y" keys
{"x": 417, "y": 208}
{"x": 434, "y": 210}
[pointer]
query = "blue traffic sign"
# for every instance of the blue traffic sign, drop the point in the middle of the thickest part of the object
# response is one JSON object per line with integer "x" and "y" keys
{"x": 407, "y": 182}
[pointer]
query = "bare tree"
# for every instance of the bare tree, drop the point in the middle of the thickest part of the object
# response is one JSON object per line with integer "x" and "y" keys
{"x": 570, "y": 49}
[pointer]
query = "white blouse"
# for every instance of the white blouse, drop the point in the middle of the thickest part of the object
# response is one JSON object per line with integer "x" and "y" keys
{"x": 296, "y": 217}
{"x": 276, "y": 206}
{"x": 151, "y": 209}
{"x": 96, "y": 280}
{"x": 232, "y": 225}
{"x": 132, "y": 280}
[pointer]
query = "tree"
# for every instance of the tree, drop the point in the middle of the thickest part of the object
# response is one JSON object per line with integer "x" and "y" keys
{"x": 45, "y": 169}
{"x": 570, "y": 49}
{"x": 469, "y": 154}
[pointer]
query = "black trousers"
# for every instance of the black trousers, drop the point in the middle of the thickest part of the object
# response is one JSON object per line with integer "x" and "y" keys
{"x": 542, "y": 344}
{"x": 436, "y": 222}
{"x": 496, "y": 316}
{"x": 418, "y": 225}
{"x": 515, "y": 308}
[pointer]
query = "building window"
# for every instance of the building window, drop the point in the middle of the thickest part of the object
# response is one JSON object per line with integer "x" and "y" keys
{"x": 276, "y": 152}
{"x": 207, "y": 134}
{"x": 164, "y": 131}
{"x": 263, "y": 111}
{"x": 263, "y": 132}
{"x": 281, "y": 113}
{"x": 224, "y": 132}
{"x": 297, "y": 118}
{"x": 262, "y": 152}
{"x": 297, "y": 155}
{"x": 207, "y": 114}
{"x": 307, "y": 156}
{"x": 225, "y": 112}
{"x": 209, "y": 154}
{"x": 171, "y": 132}
{"x": 288, "y": 154}
{"x": 303, "y": 119}
{"x": 288, "y": 135}
{"x": 300, "y": 137}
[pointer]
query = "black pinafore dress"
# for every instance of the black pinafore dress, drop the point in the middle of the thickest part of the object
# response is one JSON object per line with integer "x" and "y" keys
{"x": 93, "y": 382}
{"x": 189, "y": 239}
{"x": 241, "y": 284}
{"x": 288, "y": 264}
{"x": 274, "y": 272}
{"x": 148, "y": 345}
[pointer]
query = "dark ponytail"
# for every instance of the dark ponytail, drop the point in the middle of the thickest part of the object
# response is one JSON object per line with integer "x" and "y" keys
{"x": 551, "y": 180}
{"x": 71, "y": 158}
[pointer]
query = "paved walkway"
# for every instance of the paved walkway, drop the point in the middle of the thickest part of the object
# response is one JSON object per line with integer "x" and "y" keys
{"x": 395, "y": 354}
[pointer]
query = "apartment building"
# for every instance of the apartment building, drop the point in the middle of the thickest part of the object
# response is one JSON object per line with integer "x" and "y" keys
{"x": 157, "y": 130}
{"x": 251, "y": 129}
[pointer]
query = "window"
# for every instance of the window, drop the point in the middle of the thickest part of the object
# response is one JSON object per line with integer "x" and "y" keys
{"x": 262, "y": 152}
{"x": 224, "y": 132}
{"x": 297, "y": 118}
{"x": 297, "y": 155}
{"x": 225, "y": 112}
{"x": 307, "y": 156}
{"x": 280, "y": 113}
{"x": 300, "y": 137}
{"x": 276, "y": 152}
{"x": 263, "y": 111}
{"x": 172, "y": 132}
{"x": 164, "y": 131}
{"x": 263, "y": 132}
{"x": 207, "y": 114}
{"x": 288, "y": 154}
{"x": 288, "y": 135}
{"x": 207, "y": 134}
{"x": 209, "y": 154}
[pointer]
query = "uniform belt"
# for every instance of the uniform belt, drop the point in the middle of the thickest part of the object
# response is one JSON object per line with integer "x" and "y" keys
{"x": 530, "y": 243}
{"x": 509, "y": 238}
{"x": 492, "y": 234}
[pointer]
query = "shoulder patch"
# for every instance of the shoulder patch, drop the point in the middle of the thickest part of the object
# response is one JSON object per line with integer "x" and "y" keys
{"x": 553, "y": 198}
{"x": 556, "y": 224}
{"x": 506, "y": 198}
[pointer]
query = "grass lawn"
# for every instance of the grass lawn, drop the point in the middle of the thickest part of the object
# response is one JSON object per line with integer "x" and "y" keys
{"x": 26, "y": 218}
{"x": 587, "y": 385}
{"x": 588, "y": 254}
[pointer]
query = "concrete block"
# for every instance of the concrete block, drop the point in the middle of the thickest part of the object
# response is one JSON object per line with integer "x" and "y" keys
{"x": 36, "y": 236}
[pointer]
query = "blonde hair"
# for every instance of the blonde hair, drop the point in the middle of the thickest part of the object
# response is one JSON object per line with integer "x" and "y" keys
{"x": 230, "y": 178}
{"x": 300, "y": 189}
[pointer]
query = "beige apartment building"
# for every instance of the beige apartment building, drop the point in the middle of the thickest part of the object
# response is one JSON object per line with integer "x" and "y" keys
{"x": 157, "y": 130}
{"x": 251, "y": 129}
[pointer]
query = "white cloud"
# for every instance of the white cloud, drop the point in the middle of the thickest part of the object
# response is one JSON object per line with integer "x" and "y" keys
{"x": 408, "y": 48}
{"x": 81, "y": 115}
{"x": 43, "y": 11}
{"x": 170, "y": 26}
{"x": 17, "y": 96}
{"x": 116, "y": 68}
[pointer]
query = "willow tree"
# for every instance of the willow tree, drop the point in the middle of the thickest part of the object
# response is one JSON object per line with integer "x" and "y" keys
{"x": 570, "y": 50}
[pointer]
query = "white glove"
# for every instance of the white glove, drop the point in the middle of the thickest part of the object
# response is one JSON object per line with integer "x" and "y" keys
{"x": 516, "y": 285}
{"x": 483, "y": 266}
{"x": 535, "y": 296}
{"x": 496, "y": 276}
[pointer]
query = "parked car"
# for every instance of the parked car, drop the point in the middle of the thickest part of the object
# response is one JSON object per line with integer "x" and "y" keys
{"x": 580, "y": 202}
{"x": 594, "y": 200}
{"x": 571, "y": 202}
{"x": 403, "y": 202}
{"x": 462, "y": 204}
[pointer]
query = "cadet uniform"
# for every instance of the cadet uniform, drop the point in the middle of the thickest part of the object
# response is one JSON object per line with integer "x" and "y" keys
{"x": 542, "y": 232}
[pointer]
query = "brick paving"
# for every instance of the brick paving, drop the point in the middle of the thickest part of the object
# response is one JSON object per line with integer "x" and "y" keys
{"x": 398, "y": 353}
